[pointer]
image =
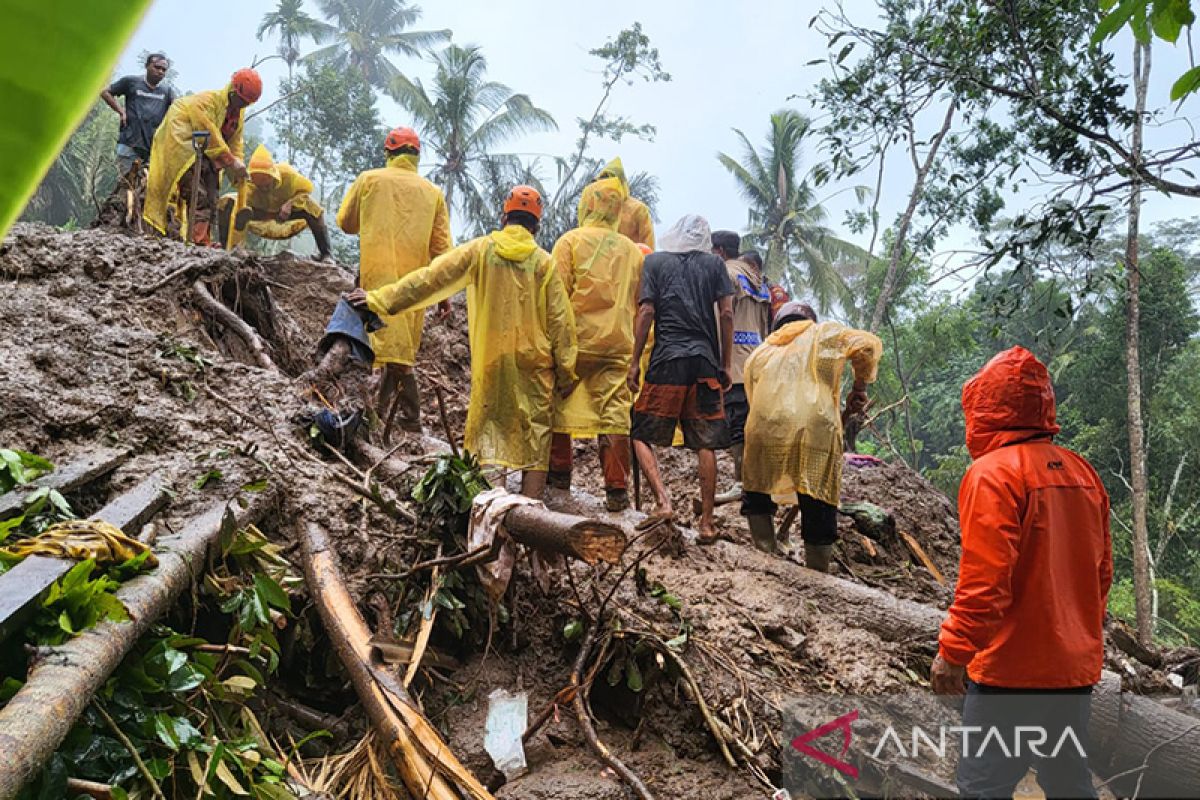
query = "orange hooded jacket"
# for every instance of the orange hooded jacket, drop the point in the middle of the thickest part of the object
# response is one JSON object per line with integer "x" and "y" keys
{"x": 1036, "y": 564}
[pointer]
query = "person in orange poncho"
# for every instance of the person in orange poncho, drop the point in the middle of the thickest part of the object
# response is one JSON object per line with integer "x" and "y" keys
{"x": 1027, "y": 623}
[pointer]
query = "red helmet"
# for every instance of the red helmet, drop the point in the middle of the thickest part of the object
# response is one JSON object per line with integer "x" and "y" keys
{"x": 402, "y": 137}
{"x": 524, "y": 198}
{"x": 247, "y": 84}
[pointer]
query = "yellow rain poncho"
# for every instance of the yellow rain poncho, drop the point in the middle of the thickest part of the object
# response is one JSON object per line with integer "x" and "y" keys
{"x": 403, "y": 224}
{"x": 288, "y": 186}
{"x": 794, "y": 383}
{"x": 601, "y": 270}
{"x": 635, "y": 220}
{"x": 171, "y": 152}
{"x": 522, "y": 335}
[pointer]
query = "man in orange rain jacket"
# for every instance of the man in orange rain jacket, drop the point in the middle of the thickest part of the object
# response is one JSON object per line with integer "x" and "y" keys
{"x": 1027, "y": 623}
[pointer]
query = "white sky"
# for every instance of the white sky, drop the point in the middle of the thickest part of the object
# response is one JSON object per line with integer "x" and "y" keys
{"x": 731, "y": 66}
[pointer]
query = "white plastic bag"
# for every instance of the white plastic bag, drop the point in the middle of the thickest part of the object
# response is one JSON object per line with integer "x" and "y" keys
{"x": 506, "y": 720}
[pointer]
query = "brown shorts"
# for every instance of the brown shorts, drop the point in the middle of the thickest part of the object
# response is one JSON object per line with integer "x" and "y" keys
{"x": 684, "y": 392}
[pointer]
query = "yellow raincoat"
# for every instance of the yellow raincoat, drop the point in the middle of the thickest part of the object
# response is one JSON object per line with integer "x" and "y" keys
{"x": 601, "y": 270}
{"x": 288, "y": 186}
{"x": 522, "y": 335}
{"x": 403, "y": 224}
{"x": 635, "y": 220}
{"x": 171, "y": 152}
{"x": 794, "y": 430}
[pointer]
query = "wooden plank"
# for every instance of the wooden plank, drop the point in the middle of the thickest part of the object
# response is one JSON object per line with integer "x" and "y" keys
{"x": 71, "y": 476}
{"x": 23, "y": 587}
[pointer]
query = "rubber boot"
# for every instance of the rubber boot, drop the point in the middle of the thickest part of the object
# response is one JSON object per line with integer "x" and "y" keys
{"x": 762, "y": 531}
{"x": 558, "y": 479}
{"x": 321, "y": 237}
{"x": 200, "y": 230}
{"x": 818, "y": 556}
{"x": 410, "y": 403}
{"x": 734, "y": 492}
{"x": 242, "y": 219}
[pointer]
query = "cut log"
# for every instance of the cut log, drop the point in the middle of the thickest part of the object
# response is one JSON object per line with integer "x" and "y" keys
{"x": 1127, "y": 730}
{"x": 60, "y": 685}
{"x": 233, "y": 322}
{"x": 66, "y": 478}
{"x": 588, "y": 540}
{"x": 425, "y": 763}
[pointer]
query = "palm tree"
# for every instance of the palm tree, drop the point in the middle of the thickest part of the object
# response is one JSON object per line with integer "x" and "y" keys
{"x": 462, "y": 117}
{"x": 366, "y": 31}
{"x": 785, "y": 217}
{"x": 292, "y": 24}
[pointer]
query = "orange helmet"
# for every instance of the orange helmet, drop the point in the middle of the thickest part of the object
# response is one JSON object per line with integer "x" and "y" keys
{"x": 524, "y": 198}
{"x": 645, "y": 248}
{"x": 247, "y": 84}
{"x": 402, "y": 137}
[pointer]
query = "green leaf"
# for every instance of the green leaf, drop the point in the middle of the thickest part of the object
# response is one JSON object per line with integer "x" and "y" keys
{"x": 271, "y": 593}
{"x": 211, "y": 475}
{"x": 1187, "y": 83}
{"x": 633, "y": 676}
{"x": 1168, "y": 17}
{"x": 573, "y": 630}
{"x": 164, "y": 729}
{"x": 1114, "y": 20}
{"x": 185, "y": 679}
{"x": 55, "y": 98}
{"x": 255, "y": 486}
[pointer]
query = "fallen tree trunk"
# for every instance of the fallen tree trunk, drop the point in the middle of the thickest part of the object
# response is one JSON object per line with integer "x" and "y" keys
{"x": 239, "y": 326}
{"x": 588, "y": 540}
{"x": 1128, "y": 731}
{"x": 60, "y": 685}
{"x": 425, "y": 763}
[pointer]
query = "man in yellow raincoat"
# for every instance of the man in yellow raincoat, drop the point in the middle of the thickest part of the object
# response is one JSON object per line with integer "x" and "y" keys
{"x": 403, "y": 224}
{"x": 794, "y": 431}
{"x": 277, "y": 204}
{"x": 635, "y": 220}
{"x": 522, "y": 335}
{"x": 173, "y": 161}
{"x": 601, "y": 270}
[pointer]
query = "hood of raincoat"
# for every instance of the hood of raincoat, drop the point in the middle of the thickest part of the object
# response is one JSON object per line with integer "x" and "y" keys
{"x": 600, "y": 205}
{"x": 690, "y": 233}
{"x": 789, "y": 332}
{"x": 1010, "y": 400}
{"x": 615, "y": 169}
{"x": 261, "y": 163}
{"x": 514, "y": 243}
{"x": 406, "y": 161}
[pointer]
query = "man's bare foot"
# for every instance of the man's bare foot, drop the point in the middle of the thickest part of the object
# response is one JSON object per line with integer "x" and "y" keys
{"x": 708, "y": 534}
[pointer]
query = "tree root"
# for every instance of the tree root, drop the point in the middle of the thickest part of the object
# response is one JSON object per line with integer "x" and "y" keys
{"x": 229, "y": 319}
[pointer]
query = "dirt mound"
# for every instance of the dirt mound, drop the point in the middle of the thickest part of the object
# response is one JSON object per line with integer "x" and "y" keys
{"x": 108, "y": 340}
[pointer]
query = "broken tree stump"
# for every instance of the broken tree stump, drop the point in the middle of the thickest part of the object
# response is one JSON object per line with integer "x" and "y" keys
{"x": 425, "y": 763}
{"x": 60, "y": 685}
{"x": 589, "y": 540}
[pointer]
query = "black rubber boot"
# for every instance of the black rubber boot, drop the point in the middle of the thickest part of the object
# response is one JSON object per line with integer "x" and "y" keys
{"x": 616, "y": 500}
{"x": 818, "y": 556}
{"x": 762, "y": 531}
{"x": 410, "y": 403}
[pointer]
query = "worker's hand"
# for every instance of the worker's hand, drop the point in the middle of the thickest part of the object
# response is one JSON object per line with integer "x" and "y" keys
{"x": 565, "y": 391}
{"x": 856, "y": 401}
{"x": 124, "y": 119}
{"x": 947, "y": 678}
{"x": 357, "y": 298}
{"x": 236, "y": 171}
{"x": 285, "y": 211}
{"x": 444, "y": 310}
{"x": 726, "y": 381}
{"x": 634, "y": 379}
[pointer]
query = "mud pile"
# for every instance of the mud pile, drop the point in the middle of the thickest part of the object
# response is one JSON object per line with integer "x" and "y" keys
{"x": 105, "y": 342}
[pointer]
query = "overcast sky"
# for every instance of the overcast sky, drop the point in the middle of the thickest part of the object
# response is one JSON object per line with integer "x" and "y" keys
{"x": 731, "y": 66}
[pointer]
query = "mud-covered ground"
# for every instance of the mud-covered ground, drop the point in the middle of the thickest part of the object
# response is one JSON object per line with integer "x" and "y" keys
{"x": 99, "y": 348}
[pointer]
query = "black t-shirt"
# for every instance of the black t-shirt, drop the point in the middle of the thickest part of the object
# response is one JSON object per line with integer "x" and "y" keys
{"x": 684, "y": 288}
{"x": 145, "y": 107}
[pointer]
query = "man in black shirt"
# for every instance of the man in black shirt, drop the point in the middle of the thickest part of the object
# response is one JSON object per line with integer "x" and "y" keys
{"x": 147, "y": 99}
{"x": 684, "y": 289}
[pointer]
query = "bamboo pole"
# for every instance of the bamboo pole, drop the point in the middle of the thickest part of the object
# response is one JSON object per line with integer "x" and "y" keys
{"x": 61, "y": 684}
{"x": 425, "y": 763}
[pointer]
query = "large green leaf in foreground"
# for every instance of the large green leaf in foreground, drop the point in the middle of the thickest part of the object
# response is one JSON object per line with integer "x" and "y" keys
{"x": 55, "y": 56}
